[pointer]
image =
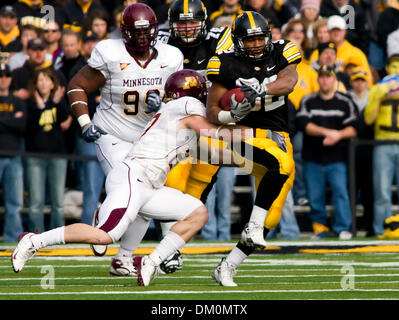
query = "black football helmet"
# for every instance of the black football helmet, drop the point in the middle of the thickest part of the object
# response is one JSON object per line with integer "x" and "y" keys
{"x": 184, "y": 83}
{"x": 249, "y": 24}
{"x": 183, "y": 11}
{"x": 139, "y": 28}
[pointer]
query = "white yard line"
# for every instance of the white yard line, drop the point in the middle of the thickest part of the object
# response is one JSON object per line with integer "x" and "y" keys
{"x": 208, "y": 277}
{"x": 192, "y": 292}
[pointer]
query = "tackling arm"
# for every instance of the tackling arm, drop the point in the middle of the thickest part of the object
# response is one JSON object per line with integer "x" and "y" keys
{"x": 216, "y": 151}
{"x": 215, "y": 93}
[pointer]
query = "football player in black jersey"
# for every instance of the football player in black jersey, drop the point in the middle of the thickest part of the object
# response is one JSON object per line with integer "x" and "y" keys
{"x": 188, "y": 32}
{"x": 266, "y": 72}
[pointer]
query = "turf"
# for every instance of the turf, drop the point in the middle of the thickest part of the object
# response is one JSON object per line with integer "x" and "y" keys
{"x": 263, "y": 276}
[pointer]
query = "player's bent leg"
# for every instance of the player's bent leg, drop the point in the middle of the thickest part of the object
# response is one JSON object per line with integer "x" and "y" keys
{"x": 191, "y": 215}
{"x": 273, "y": 186}
{"x": 193, "y": 223}
{"x": 177, "y": 237}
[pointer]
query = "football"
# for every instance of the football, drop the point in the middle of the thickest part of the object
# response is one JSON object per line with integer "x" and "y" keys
{"x": 225, "y": 101}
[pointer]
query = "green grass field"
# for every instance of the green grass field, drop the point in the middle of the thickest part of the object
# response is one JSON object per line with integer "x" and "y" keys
{"x": 268, "y": 275}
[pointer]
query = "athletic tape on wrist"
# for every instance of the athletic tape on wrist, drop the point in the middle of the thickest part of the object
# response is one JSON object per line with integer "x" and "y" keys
{"x": 83, "y": 120}
{"x": 225, "y": 117}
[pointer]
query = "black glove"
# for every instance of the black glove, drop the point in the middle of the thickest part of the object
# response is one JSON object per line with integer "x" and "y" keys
{"x": 154, "y": 102}
{"x": 239, "y": 110}
{"x": 91, "y": 132}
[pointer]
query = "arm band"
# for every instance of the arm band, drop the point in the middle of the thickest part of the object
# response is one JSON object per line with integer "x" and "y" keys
{"x": 79, "y": 101}
{"x": 83, "y": 120}
{"x": 225, "y": 117}
{"x": 75, "y": 90}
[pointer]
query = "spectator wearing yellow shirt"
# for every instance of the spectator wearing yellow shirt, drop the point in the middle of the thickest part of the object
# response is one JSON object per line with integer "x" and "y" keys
{"x": 346, "y": 53}
{"x": 307, "y": 77}
{"x": 381, "y": 111}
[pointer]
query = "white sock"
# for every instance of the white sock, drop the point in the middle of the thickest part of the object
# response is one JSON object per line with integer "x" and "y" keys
{"x": 236, "y": 257}
{"x": 49, "y": 238}
{"x": 133, "y": 236}
{"x": 166, "y": 247}
{"x": 258, "y": 215}
{"x": 165, "y": 227}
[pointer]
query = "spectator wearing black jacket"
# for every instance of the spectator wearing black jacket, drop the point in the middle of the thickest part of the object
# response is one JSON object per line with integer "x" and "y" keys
{"x": 12, "y": 127}
{"x": 29, "y": 12}
{"x": 70, "y": 63}
{"x": 72, "y": 14}
{"x": 388, "y": 21}
{"x": 36, "y": 61}
{"x": 327, "y": 118}
{"x": 48, "y": 117}
{"x": 357, "y": 36}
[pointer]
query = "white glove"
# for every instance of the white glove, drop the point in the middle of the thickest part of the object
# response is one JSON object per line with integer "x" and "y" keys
{"x": 154, "y": 102}
{"x": 239, "y": 110}
{"x": 252, "y": 88}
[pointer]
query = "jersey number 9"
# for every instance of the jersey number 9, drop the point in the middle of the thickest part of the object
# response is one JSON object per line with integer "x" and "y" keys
{"x": 131, "y": 101}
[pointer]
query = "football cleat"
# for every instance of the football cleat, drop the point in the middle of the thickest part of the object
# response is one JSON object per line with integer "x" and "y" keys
{"x": 172, "y": 263}
{"x": 223, "y": 274}
{"x": 23, "y": 252}
{"x": 123, "y": 266}
{"x": 252, "y": 235}
{"x": 98, "y": 249}
{"x": 146, "y": 271}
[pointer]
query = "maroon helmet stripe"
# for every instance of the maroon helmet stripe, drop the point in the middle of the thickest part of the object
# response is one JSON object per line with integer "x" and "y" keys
{"x": 113, "y": 219}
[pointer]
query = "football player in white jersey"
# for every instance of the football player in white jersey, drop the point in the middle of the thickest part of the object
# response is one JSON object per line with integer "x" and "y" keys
{"x": 136, "y": 185}
{"x": 127, "y": 70}
{"x": 131, "y": 73}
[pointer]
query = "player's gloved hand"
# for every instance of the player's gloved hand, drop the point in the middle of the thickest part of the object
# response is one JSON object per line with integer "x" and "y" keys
{"x": 154, "y": 102}
{"x": 239, "y": 110}
{"x": 91, "y": 132}
{"x": 252, "y": 88}
{"x": 277, "y": 138}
